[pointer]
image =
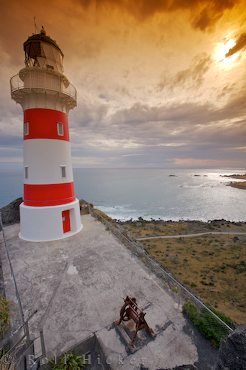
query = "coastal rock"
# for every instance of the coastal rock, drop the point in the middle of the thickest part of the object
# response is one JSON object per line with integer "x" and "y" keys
{"x": 11, "y": 212}
{"x": 232, "y": 352}
{"x": 238, "y": 185}
{"x": 236, "y": 176}
{"x": 85, "y": 207}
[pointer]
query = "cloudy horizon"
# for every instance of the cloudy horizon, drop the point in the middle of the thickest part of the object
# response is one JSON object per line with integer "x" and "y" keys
{"x": 161, "y": 84}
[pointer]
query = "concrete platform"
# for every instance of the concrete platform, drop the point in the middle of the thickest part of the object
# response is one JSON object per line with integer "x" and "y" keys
{"x": 78, "y": 284}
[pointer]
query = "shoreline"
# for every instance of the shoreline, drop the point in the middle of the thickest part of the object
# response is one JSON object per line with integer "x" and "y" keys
{"x": 151, "y": 219}
{"x": 237, "y": 184}
{"x": 10, "y": 215}
{"x": 164, "y": 219}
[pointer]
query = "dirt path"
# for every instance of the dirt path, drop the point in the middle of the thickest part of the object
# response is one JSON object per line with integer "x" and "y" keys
{"x": 192, "y": 235}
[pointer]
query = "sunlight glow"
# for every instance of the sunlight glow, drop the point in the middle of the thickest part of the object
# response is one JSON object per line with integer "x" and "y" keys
{"x": 221, "y": 51}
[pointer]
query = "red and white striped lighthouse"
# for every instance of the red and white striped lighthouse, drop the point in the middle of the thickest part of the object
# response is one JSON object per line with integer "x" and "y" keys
{"x": 50, "y": 210}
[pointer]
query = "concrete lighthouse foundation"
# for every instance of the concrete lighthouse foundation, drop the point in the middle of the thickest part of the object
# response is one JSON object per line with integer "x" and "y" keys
{"x": 49, "y": 223}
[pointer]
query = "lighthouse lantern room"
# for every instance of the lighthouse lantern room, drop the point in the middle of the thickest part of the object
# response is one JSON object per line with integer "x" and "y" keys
{"x": 50, "y": 210}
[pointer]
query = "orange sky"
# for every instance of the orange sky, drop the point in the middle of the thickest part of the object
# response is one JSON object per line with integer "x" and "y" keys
{"x": 160, "y": 83}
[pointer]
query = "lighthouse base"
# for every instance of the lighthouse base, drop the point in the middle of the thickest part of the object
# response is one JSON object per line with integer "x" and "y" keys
{"x": 41, "y": 224}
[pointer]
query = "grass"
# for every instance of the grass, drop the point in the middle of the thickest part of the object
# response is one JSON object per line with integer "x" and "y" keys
{"x": 213, "y": 266}
{"x": 4, "y": 316}
{"x": 141, "y": 229}
{"x": 214, "y": 269}
{"x": 206, "y": 323}
{"x": 69, "y": 361}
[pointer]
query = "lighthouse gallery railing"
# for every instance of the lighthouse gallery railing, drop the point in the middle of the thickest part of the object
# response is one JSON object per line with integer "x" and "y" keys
{"x": 44, "y": 81}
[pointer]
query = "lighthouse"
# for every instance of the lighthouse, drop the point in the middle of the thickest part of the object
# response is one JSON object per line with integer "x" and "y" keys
{"x": 50, "y": 209}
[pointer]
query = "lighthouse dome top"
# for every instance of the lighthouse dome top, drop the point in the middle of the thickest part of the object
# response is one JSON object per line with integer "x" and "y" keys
{"x": 42, "y": 51}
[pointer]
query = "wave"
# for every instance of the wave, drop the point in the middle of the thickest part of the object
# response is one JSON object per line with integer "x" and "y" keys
{"x": 205, "y": 185}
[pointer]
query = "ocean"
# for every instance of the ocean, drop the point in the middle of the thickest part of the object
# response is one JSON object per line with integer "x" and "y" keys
{"x": 150, "y": 193}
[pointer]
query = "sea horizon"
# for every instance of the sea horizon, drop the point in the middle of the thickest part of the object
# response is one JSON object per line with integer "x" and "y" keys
{"x": 150, "y": 193}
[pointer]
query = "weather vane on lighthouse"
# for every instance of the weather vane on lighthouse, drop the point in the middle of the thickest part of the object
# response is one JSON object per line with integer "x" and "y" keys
{"x": 50, "y": 210}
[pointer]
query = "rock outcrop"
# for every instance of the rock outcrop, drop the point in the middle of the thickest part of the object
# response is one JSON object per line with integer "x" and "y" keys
{"x": 232, "y": 352}
{"x": 85, "y": 207}
{"x": 11, "y": 212}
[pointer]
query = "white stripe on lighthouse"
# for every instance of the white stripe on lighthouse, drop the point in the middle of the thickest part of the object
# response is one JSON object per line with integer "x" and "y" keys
{"x": 47, "y": 161}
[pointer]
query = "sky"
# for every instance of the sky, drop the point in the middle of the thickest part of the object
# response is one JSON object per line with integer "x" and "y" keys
{"x": 160, "y": 83}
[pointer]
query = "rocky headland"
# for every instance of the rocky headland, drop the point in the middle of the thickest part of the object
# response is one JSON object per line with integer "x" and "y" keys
{"x": 237, "y": 184}
{"x": 212, "y": 266}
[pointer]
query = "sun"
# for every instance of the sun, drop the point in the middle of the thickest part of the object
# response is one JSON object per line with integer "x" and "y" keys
{"x": 222, "y": 49}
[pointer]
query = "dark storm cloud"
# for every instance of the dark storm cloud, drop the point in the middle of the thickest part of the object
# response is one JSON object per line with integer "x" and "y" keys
{"x": 205, "y": 13}
{"x": 193, "y": 76}
{"x": 240, "y": 44}
{"x": 16, "y": 15}
{"x": 210, "y": 11}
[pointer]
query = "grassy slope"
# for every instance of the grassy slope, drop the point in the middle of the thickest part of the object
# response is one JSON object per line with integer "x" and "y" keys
{"x": 142, "y": 229}
{"x": 213, "y": 266}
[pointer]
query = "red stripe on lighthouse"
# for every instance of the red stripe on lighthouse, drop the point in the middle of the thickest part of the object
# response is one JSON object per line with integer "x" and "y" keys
{"x": 48, "y": 194}
{"x": 42, "y": 124}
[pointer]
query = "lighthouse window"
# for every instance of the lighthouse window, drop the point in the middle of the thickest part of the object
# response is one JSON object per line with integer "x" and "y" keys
{"x": 63, "y": 171}
{"x": 26, "y": 172}
{"x": 60, "y": 129}
{"x": 26, "y": 128}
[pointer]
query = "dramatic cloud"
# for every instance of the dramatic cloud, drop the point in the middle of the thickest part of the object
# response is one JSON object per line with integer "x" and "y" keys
{"x": 240, "y": 44}
{"x": 142, "y": 135}
{"x": 154, "y": 85}
{"x": 210, "y": 12}
{"x": 204, "y": 13}
{"x": 192, "y": 76}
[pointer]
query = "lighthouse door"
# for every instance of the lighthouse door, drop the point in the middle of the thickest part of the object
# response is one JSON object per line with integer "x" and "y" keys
{"x": 66, "y": 221}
